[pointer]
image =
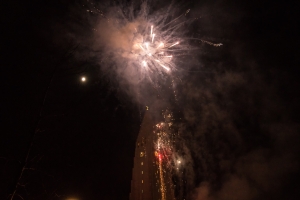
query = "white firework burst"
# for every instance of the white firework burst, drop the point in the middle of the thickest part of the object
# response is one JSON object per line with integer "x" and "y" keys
{"x": 149, "y": 43}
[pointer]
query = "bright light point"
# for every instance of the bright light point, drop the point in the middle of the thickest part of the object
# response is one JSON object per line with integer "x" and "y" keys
{"x": 147, "y": 44}
{"x": 149, "y": 54}
{"x": 178, "y": 161}
{"x": 83, "y": 79}
{"x": 161, "y": 45}
{"x": 144, "y": 63}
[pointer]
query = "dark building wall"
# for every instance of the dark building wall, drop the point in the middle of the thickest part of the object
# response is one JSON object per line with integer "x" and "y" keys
{"x": 142, "y": 183}
{"x": 146, "y": 183}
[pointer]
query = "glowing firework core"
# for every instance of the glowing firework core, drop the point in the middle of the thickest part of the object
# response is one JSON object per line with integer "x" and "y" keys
{"x": 150, "y": 49}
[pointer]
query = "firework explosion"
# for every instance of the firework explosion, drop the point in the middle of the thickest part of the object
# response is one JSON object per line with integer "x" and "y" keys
{"x": 141, "y": 43}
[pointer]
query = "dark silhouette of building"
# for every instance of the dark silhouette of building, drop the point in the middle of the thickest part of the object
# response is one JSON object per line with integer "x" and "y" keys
{"x": 150, "y": 178}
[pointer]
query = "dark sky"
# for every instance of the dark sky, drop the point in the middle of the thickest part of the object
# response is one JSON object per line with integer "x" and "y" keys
{"x": 241, "y": 114}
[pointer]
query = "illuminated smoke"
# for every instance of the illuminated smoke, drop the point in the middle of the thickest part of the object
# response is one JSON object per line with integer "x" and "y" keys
{"x": 135, "y": 44}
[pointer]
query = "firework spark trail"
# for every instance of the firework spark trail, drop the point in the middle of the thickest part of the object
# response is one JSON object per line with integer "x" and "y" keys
{"x": 166, "y": 154}
{"x": 161, "y": 176}
{"x": 207, "y": 42}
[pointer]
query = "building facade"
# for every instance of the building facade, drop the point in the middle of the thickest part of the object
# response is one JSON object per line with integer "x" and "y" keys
{"x": 151, "y": 179}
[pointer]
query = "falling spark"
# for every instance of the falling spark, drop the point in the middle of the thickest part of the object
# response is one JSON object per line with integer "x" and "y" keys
{"x": 174, "y": 44}
{"x": 162, "y": 181}
{"x": 167, "y": 68}
{"x": 153, "y": 35}
{"x": 187, "y": 11}
{"x": 151, "y": 30}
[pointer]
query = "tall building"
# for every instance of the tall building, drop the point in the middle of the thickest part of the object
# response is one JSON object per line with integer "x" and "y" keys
{"x": 151, "y": 179}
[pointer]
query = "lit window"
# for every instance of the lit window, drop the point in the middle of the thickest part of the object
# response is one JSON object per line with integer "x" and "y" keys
{"x": 142, "y": 191}
{"x": 142, "y": 172}
{"x": 141, "y": 154}
{"x": 142, "y": 181}
{"x": 142, "y": 163}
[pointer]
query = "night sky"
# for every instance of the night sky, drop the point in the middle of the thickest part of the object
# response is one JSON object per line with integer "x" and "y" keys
{"x": 239, "y": 110}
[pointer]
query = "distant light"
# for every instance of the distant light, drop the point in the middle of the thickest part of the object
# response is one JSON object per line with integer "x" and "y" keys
{"x": 178, "y": 161}
{"x": 83, "y": 79}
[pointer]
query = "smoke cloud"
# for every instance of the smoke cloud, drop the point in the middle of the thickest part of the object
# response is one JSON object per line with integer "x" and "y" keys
{"x": 242, "y": 139}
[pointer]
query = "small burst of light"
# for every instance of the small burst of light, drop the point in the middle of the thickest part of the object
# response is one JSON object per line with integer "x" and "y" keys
{"x": 83, "y": 79}
{"x": 178, "y": 161}
{"x": 147, "y": 44}
{"x": 144, "y": 63}
{"x": 161, "y": 44}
